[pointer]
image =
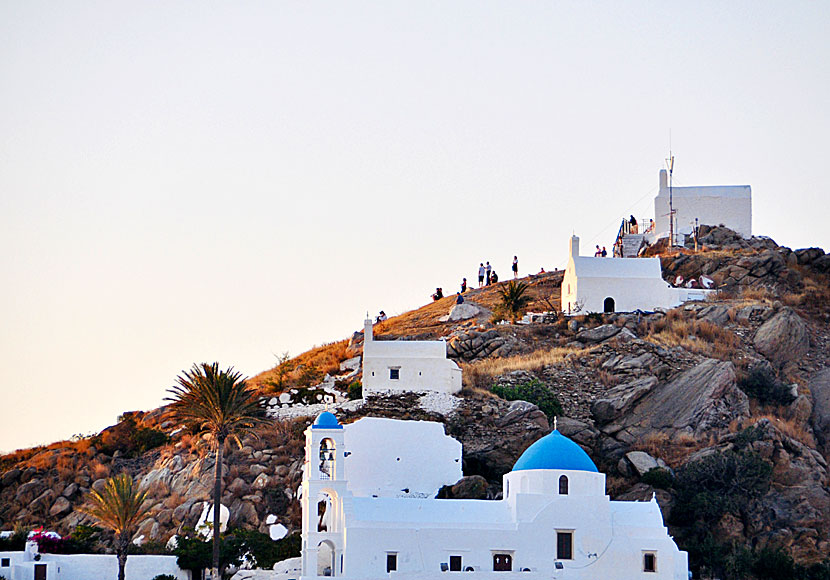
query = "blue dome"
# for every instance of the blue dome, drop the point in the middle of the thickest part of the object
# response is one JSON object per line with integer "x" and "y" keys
{"x": 326, "y": 420}
{"x": 555, "y": 451}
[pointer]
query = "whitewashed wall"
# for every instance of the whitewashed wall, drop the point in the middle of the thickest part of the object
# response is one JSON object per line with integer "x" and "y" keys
{"x": 730, "y": 205}
{"x": 387, "y": 456}
{"x": 91, "y": 567}
{"x": 422, "y": 366}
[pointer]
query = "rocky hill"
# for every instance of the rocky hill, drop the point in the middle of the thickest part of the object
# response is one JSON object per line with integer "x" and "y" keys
{"x": 721, "y": 409}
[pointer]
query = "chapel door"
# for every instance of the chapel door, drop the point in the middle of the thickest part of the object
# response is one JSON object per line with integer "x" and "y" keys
{"x": 502, "y": 562}
{"x": 40, "y": 571}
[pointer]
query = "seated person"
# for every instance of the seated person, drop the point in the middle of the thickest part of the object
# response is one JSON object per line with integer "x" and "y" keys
{"x": 438, "y": 294}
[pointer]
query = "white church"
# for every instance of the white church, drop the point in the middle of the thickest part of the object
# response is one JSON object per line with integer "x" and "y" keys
{"x": 369, "y": 512}
{"x": 393, "y": 366}
{"x": 594, "y": 284}
{"x": 730, "y": 205}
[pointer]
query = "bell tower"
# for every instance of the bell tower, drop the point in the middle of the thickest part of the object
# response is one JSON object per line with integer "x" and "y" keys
{"x": 323, "y": 491}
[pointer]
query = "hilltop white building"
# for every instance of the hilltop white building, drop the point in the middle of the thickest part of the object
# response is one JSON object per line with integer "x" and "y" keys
{"x": 379, "y": 520}
{"x": 618, "y": 285}
{"x": 407, "y": 365}
{"x": 730, "y": 205}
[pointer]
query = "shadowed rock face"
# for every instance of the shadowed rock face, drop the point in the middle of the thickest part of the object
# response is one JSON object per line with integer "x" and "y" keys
{"x": 783, "y": 338}
{"x": 820, "y": 390}
{"x": 703, "y": 398}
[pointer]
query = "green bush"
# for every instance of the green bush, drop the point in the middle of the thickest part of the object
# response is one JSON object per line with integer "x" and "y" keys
{"x": 658, "y": 477}
{"x": 146, "y": 438}
{"x": 719, "y": 483}
{"x": 535, "y": 392}
{"x": 761, "y": 383}
{"x": 355, "y": 391}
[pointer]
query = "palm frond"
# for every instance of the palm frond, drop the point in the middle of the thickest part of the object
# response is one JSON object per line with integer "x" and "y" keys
{"x": 217, "y": 401}
{"x": 119, "y": 505}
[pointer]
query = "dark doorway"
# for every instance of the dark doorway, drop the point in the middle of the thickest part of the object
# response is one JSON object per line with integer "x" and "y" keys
{"x": 40, "y": 571}
{"x": 608, "y": 305}
{"x": 502, "y": 562}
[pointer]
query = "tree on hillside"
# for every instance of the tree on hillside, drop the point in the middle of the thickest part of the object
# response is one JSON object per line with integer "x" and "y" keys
{"x": 221, "y": 404}
{"x": 513, "y": 298}
{"x": 119, "y": 506}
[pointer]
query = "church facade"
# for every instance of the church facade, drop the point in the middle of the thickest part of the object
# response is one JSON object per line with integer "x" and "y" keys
{"x": 554, "y": 520}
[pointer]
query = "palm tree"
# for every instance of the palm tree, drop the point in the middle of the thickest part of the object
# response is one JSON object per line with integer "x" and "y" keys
{"x": 513, "y": 298}
{"x": 219, "y": 403}
{"x": 119, "y": 506}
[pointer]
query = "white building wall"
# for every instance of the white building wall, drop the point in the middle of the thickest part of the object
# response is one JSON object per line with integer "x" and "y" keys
{"x": 730, "y": 205}
{"x": 422, "y": 365}
{"x": 391, "y": 458}
{"x": 89, "y": 566}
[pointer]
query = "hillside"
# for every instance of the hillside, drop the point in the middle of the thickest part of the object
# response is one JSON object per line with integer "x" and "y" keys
{"x": 721, "y": 409}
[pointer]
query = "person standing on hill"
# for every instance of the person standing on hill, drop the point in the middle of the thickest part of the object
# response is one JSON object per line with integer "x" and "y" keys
{"x": 488, "y": 268}
{"x": 515, "y": 266}
{"x": 480, "y": 275}
{"x": 463, "y": 285}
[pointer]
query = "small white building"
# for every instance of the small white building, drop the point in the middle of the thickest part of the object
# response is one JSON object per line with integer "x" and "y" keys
{"x": 31, "y": 565}
{"x": 618, "y": 285}
{"x": 407, "y": 366}
{"x": 554, "y": 521}
{"x": 730, "y": 205}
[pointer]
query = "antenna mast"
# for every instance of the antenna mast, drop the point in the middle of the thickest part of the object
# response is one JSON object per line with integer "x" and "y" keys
{"x": 670, "y": 164}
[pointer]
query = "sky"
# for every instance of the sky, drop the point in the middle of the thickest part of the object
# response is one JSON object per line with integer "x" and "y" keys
{"x": 226, "y": 181}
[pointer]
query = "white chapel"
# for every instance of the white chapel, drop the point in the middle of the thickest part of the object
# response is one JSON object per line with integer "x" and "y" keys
{"x": 594, "y": 284}
{"x": 391, "y": 366}
{"x": 378, "y": 519}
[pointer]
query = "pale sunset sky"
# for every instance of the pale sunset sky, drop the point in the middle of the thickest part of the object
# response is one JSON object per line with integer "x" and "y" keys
{"x": 199, "y": 181}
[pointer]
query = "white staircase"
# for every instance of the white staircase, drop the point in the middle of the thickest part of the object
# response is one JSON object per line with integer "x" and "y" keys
{"x": 631, "y": 245}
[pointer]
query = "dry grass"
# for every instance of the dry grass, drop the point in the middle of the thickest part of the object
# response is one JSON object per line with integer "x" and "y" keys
{"x": 479, "y": 375}
{"x": 98, "y": 470}
{"x": 673, "y": 450}
{"x": 698, "y": 336}
{"x": 607, "y": 379}
{"x": 421, "y": 323}
{"x": 787, "y": 426}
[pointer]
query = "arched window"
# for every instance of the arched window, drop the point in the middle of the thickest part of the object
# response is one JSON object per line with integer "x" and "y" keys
{"x": 608, "y": 305}
{"x": 563, "y": 485}
{"x": 327, "y": 454}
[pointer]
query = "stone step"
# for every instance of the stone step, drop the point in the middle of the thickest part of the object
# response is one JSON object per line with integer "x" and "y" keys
{"x": 631, "y": 245}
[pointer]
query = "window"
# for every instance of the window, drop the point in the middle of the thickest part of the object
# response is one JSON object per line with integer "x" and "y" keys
{"x": 649, "y": 562}
{"x": 395, "y": 374}
{"x": 563, "y": 485}
{"x": 455, "y": 563}
{"x": 502, "y": 562}
{"x": 564, "y": 545}
{"x": 5, "y": 563}
{"x": 391, "y": 562}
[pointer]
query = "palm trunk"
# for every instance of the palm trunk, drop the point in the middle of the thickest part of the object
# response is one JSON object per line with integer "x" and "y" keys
{"x": 123, "y": 547}
{"x": 217, "y": 508}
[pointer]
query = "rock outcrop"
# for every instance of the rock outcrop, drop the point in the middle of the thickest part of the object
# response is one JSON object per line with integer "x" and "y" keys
{"x": 784, "y": 337}
{"x": 704, "y": 398}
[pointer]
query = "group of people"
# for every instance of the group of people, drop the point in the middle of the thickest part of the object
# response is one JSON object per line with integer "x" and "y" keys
{"x": 601, "y": 253}
{"x": 487, "y": 275}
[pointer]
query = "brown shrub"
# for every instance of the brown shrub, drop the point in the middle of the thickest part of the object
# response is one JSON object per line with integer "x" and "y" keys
{"x": 698, "y": 336}
{"x": 98, "y": 470}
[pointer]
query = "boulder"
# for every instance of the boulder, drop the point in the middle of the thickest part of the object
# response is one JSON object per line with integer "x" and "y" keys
{"x": 463, "y": 311}
{"x": 642, "y": 462}
{"x": 10, "y": 477}
{"x": 469, "y": 487}
{"x": 820, "y": 390}
{"x": 351, "y": 364}
{"x": 60, "y": 508}
{"x": 784, "y": 337}
{"x": 598, "y": 334}
{"x": 620, "y": 398}
{"x": 703, "y": 398}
